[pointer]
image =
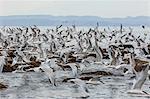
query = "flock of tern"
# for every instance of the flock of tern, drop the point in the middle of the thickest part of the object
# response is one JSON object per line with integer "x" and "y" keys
{"x": 79, "y": 56}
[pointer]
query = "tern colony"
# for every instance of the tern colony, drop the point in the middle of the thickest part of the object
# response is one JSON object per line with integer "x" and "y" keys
{"x": 85, "y": 55}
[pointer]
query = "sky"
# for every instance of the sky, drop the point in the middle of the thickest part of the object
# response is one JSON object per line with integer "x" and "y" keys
{"x": 102, "y": 8}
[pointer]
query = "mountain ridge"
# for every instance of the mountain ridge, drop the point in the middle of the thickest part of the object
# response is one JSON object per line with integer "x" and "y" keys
{"x": 50, "y": 20}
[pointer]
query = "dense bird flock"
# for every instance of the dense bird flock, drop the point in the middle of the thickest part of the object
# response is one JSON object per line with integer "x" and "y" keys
{"x": 79, "y": 56}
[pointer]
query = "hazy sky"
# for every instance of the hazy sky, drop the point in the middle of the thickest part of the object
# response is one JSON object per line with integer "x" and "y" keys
{"x": 103, "y": 8}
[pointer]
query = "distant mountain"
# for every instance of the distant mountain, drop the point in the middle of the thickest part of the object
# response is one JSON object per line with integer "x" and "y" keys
{"x": 48, "y": 20}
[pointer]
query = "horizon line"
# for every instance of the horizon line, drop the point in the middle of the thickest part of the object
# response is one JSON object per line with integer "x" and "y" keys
{"x": 72, "y": 16}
